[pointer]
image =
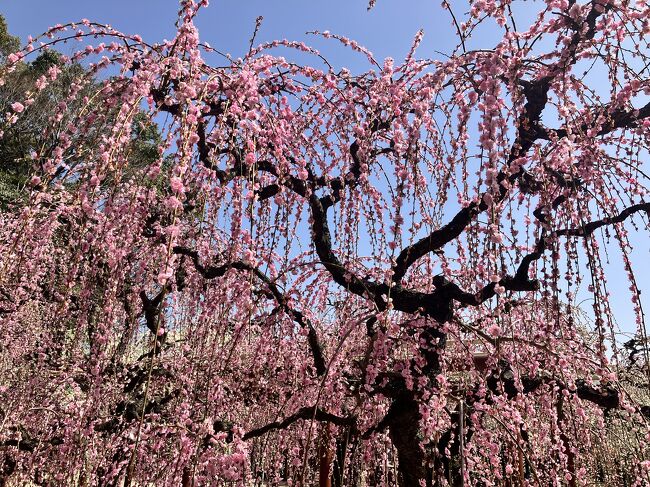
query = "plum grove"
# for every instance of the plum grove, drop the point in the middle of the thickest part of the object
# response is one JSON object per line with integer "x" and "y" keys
{"x": 321, "y": 276}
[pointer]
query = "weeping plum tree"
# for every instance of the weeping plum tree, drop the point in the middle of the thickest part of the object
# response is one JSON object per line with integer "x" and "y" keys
{"x": 346, "y": 277}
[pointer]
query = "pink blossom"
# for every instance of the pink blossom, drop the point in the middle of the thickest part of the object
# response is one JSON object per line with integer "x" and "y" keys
{"x": 176, "y": 185}
{"x": 493, "y": 330}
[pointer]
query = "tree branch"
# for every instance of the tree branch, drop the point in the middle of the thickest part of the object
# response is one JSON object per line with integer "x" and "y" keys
{"x": 272, "y": 291}
{"x": 305, "y": 413}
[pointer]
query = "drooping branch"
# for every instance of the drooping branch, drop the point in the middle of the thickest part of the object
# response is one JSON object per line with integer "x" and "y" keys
{"x": 322, "y": 240}
{"x": 272, "y": 291}
{"x": 589, "y": 228}
{"x": 521, "y": 275}
{"x": 604, "y": 396}
{"x": 528, "y": 131}
{"x": 537, "y": 97}
{"x": 614, "y": 119}
{"x": 305, "y": 413}
{"x": 521, "y": 281}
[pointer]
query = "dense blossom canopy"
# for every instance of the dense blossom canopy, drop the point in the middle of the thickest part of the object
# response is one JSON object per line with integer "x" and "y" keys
{"x": 376, "y": 275}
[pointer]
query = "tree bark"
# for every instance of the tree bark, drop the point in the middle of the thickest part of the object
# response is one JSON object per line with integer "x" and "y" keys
{"x": 404, "y": 433}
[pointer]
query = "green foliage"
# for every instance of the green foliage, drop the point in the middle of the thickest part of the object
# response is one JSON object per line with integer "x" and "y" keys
{"x": 145, "y": 141}
{"x": 45, "y": 61}
{"x": 28, "y": 134}
{"x": 8, "y": 43}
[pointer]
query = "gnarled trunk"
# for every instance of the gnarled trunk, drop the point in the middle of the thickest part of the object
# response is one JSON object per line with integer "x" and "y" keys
{"x": 404, "y": 433}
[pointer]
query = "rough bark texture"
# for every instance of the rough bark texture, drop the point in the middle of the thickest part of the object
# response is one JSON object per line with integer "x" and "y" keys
{"x": 404, "y": 433}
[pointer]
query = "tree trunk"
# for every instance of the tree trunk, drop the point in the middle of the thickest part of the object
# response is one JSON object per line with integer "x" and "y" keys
{"x": 403, "y": 432}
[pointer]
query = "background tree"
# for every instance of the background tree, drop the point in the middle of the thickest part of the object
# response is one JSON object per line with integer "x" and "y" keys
{"x": 8, "y": 43}
{"x": 27, "y": 142}
{"x": 377, "y": 272}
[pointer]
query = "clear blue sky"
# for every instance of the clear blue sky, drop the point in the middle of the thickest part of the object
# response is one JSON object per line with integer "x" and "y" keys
{"x": 227, "y": 25}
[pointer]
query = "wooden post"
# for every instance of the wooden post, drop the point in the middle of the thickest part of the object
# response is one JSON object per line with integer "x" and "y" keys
{"x": 461, "y": 442}
{"x": 325, "y": 457}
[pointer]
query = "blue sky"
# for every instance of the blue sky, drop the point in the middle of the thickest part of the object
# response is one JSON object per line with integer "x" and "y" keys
{"x": 227, "y": 25}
